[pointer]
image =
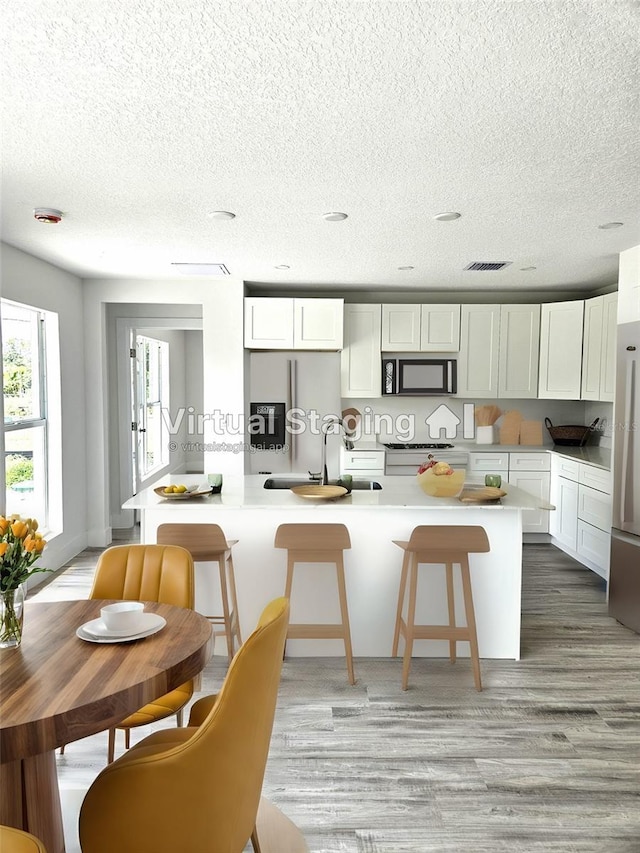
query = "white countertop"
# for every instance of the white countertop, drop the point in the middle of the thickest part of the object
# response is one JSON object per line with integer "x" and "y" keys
{"x": 248, "y": 491}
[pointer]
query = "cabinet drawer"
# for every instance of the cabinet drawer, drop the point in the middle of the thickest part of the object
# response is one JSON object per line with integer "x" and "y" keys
{"x": 488, "y": 462}
{"x": 360, "y": 460}
{"x": 594, "y": 545}
{"x": 568, "y": 468}
{"x": 597, "y": 478}
{"x": 594, "y": 507}
{"x": 529, "y": 462}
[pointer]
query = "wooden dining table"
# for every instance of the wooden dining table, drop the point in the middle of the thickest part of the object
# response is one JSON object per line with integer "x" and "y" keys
{"x": 56, "y": 688}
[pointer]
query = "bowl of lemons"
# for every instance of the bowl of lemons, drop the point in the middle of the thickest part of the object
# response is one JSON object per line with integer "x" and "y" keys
{"x": 179, "y": 491}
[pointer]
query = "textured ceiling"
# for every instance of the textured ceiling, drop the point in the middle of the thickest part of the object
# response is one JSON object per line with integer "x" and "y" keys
{"x": 137, "y": 118}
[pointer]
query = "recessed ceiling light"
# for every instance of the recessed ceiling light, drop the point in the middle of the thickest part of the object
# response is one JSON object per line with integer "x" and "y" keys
{"x": 334, "y": 217}
{"x": 283, "y": 267}
{"x": 221, "y": 214}
{"x": 200, "y": 269}
{"x": 48, "y": 215}
{"x": 609, "y": 225}
{"x": 526, "y": 269}
{"x": 406, "y": 268}
{"x": 448, "y": 216}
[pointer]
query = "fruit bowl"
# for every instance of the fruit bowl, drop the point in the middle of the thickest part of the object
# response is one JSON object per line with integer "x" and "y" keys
{"x": 191, "y": 492}
{"x": 442, "y": 485}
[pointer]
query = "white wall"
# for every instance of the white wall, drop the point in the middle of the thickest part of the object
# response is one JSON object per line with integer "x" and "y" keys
{"x": 34, "y": 282}
{"x": 223, "y": 360}
{"x": 194, "y": 398}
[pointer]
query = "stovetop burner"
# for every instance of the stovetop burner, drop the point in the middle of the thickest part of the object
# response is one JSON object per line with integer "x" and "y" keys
{"x": 436, "y": 446}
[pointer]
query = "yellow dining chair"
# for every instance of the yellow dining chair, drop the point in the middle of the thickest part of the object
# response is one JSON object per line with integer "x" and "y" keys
{"x": 17, "y": 841}
{"x": 196, "y": 788}
{"x": 162, "y": 573}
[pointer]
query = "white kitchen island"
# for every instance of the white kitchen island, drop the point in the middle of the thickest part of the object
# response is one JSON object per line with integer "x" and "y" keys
{"x": 249, "y": 513}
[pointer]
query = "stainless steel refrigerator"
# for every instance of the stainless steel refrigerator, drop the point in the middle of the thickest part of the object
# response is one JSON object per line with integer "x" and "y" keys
{"x": 624, "y": 573}
{"x": 308, "y": 384}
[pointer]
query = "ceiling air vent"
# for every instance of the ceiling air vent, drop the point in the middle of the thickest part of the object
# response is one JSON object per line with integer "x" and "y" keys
{"x": 200, "y": 269}
{"x": 488, "y": 265}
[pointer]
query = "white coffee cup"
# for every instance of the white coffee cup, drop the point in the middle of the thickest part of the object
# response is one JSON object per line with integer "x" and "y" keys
{"x": 123, "y": 617}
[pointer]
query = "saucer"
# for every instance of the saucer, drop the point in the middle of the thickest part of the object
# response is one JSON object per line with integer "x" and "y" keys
{"x": 95, "y": 631}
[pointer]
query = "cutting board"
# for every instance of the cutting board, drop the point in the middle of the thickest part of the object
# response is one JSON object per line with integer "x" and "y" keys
{"x": 483, "y": 495}
{"x": 531, "y": 432}
{"x": 510, "y": 427}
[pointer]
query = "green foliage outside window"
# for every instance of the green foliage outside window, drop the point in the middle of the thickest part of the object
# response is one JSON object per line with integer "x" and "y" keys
{"x": 17, "y": 378}
{"x": 18, "y": 469}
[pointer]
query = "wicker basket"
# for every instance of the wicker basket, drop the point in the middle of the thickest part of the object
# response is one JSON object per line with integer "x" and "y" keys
{"x": 569, "y": 435}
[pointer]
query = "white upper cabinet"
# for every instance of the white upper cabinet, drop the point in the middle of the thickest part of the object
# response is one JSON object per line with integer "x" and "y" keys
{"x": 599, "y": 347}
{"x": 420, "y": 328}
{"x": 361, "y": 357}
{"x": 561, "y": 350}
{"x": 318, "y": 323}
{"x": 305, "y": 324}
{"x": 479, "y": 347}
{"x": 401, "y": 328}
{"x": 519, "y": 351}
{"x": 609, "y": 338}
{"x": 268, "y": 323}
{"x": 629, "y": 286}
{"x": 440, "y": 328}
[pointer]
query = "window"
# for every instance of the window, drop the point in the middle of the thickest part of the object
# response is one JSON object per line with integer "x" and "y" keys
{"x": 25, "y": 411}
{"x": 152, "y": 398}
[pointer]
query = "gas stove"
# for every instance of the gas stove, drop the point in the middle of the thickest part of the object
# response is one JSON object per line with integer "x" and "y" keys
{"x": 433, "y": 446}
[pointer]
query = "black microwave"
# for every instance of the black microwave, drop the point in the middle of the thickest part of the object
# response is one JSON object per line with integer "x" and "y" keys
{"x": 419, "y": 376}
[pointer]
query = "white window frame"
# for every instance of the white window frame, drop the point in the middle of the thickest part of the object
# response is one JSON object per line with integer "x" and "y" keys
{"x": 49, "y": 417}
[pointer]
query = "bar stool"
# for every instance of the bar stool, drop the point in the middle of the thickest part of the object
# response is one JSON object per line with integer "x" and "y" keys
{"x": 446, "y": 544}
{"x": 318, "y": 543}
{"x": 208, "y": 544}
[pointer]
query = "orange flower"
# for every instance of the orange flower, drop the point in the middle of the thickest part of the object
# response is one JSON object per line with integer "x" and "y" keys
{"x": 3, "y": 548}
{"x": 40, "y": 543}
{"x": 19, "y": 529}
{"x": 29, "y": 544}
{"x": 4, "y": 525}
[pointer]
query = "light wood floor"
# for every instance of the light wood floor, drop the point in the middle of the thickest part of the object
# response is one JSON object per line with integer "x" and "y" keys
{"x": 545, "y": 760}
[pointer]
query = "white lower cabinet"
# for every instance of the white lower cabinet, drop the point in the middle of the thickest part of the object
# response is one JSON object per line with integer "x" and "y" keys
{"x": 528, "y": 471}
{"x": 563, "y": 524}
{"x": 581, "y": 524}
{"x": 594, "y": 545}
{"x": 362, "y": 463}
{"x": 534, "y": 483}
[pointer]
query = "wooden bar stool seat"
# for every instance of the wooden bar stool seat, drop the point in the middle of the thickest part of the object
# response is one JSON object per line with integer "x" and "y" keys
{"x": 208, "y": 544}
{"x": 437, "y": 545}
{"x": 318, "y": 543}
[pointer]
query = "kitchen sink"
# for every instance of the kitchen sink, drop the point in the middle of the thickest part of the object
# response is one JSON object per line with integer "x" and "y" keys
{"x": 289, "y": 483}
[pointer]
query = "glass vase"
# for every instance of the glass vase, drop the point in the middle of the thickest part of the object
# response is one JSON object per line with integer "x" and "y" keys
{"x": 11, "y": 617}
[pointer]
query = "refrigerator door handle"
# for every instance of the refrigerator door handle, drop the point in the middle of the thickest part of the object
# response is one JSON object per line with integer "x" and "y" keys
{"x": 626, "y": 480}
{"x": 292, "y": 402}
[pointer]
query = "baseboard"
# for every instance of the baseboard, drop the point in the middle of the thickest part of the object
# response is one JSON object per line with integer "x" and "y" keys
{"x": 536, "y": 538}
{"x": 584, "y": 561}
{"x": 99, "y": 537}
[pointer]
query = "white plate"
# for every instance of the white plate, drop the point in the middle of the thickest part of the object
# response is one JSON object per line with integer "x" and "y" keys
{"x": 96, "y": 632}
{"x": 97, "y": 627}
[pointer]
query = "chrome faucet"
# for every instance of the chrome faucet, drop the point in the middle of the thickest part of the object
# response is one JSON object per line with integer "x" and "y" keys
{"x": 323, "y": 474}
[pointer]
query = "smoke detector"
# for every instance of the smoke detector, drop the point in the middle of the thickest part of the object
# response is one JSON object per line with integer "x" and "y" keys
{"x": 47, "y": 214}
